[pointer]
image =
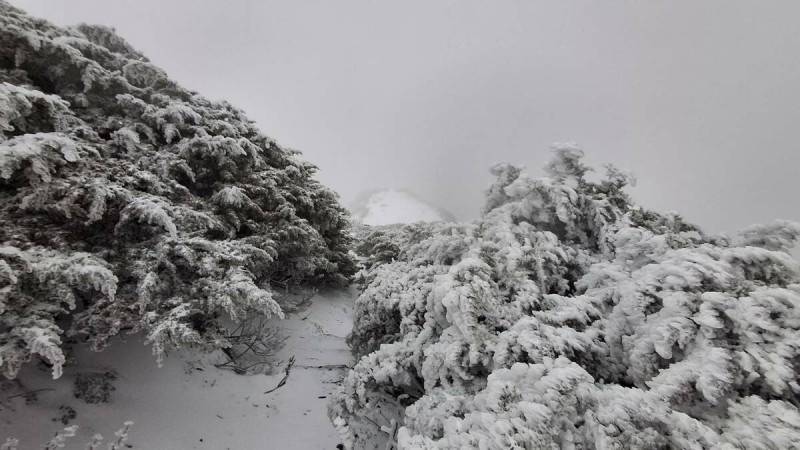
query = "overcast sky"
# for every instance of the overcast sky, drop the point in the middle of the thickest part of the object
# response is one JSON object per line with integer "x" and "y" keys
{"x": 700, "y": 99}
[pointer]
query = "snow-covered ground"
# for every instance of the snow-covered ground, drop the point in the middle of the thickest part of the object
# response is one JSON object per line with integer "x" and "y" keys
{"x": 190, "y": 404}
{"x": 390, "y": 206}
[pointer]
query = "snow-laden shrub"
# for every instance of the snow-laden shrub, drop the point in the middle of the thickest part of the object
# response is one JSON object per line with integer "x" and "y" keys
{"x": 568, "y": 317}
{"x": 129, "y": 202}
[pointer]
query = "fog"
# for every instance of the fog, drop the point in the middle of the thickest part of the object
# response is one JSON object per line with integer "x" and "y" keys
{"x": 700, "y": 100}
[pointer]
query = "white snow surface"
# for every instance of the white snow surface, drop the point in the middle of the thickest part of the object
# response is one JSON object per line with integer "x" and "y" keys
{"x": 391, "y": 206}
{"x": 190, "y": 404}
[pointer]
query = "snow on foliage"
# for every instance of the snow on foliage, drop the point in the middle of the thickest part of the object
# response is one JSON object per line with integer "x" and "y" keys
{"x": 568, "y": 317}
{"x": 130, "y": 203}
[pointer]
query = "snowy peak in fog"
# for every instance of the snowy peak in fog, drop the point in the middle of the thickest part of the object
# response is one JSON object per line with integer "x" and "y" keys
{"x": 389, "y": 206}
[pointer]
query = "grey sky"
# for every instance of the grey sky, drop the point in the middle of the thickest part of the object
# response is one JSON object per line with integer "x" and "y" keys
{"x": 701, "y": 100}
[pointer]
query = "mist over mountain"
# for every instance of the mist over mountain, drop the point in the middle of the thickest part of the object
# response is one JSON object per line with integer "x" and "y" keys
{"x": 392, "y": 205}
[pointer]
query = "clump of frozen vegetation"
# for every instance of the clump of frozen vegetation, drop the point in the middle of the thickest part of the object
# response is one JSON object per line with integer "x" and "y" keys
{"x": 59, "y": 440}
{"x": 568, "y": 317}
{"x": 94, "y": 387}
{"x": 130, "y": 203}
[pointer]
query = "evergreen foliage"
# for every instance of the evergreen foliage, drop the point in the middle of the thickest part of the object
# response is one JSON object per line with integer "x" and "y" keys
{"x": 129, "y": 202}
{"x": 568, "y": 317}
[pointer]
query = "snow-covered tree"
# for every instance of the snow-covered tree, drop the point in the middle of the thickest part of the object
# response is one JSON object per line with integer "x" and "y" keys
{"x": 129, "y": 202}
{"x": 568, "y": 317}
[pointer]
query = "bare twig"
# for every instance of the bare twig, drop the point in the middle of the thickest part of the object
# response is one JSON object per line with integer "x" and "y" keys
{"x": 285, "y": 376}
{"x": 30, "y": 392}
{"x": 325, "y": 366}
{"x": 320, "y": 330}
{"x": 253, "y": 345}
